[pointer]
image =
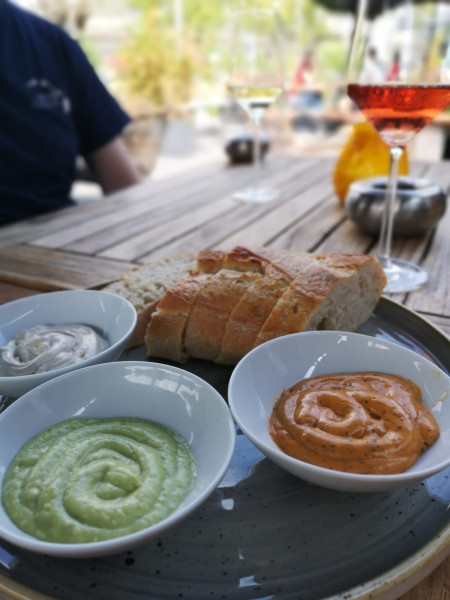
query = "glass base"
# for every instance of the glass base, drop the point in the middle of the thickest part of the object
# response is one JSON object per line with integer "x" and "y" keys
{"x": 402, "y": 276}
{"x": 256, "y": 195}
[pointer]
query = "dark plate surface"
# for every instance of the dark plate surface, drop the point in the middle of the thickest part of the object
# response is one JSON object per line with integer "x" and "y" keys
{"x": 266, "y": 534}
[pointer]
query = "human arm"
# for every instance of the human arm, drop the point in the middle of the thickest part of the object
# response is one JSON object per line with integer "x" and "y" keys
{"x": 98, "y": 121}
{"x": 112, "y": 166}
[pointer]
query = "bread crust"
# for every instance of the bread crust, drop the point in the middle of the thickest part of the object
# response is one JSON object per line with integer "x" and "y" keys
{"x": 279, "y": 268}
{"x": 143, "y": 319}
{"x": 249, "y": 315}
{"x": 164, "y": 336}
{"x": 144, "y": 286}
{"x": 210, "y": 261}
{"x": 211, "y": 311}
{"x": 311, "y": 300}
{"x": 298, "y": 303}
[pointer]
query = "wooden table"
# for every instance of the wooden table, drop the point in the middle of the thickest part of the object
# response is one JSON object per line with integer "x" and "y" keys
{"x": 93, "y": 243}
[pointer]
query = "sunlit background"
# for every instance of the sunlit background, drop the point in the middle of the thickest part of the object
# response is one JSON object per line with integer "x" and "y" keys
{"x": 167, "y": 62}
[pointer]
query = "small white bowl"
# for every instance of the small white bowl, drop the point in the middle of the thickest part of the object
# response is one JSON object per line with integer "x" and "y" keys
{"x": 112, "y": 316}
{"x": 280, "y": 363}
{"x": 156, "y": 392}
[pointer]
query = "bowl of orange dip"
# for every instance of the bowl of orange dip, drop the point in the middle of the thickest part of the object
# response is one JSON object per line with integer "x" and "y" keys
{"x": 343, "y": 410}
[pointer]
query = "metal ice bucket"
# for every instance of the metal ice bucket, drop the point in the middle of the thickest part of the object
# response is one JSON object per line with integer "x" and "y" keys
{"x": 418, "y": 206}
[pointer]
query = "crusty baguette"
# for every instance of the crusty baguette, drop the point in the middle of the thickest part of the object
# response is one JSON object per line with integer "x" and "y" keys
{"x": 248, "y": 316}
{"x": 279, "y": 267}
{"x": 164, "y": 336}
{"x": 336, "y": 291}
{"x": 190, "y": 318}
{"x": 241, "y": 298}
{"x": 146, "y": 284}
{"x": 211, "y": 311}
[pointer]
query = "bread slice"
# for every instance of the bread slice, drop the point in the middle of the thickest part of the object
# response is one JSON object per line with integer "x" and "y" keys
{"x": 335, "y": 291}
{"x": 250, "y": 314}
{"x": 211, "y": 311}
{"x": 146, "y": 284}
{"x": 164, "y": 336}
{"x": 190, "y": 319}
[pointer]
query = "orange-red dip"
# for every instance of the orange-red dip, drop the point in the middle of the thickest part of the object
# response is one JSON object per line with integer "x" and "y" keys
{"x": 371, "y": 423}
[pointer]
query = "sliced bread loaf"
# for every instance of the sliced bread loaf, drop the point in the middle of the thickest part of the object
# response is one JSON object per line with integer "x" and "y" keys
{"x": 244, "y": 298}
{"x": 190, "y": 319}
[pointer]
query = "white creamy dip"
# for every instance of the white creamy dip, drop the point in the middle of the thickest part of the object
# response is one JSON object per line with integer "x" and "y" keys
{"x": 46, "y": 347}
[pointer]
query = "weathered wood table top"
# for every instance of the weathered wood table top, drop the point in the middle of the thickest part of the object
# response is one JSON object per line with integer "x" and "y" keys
{"x": 91, "y": 244}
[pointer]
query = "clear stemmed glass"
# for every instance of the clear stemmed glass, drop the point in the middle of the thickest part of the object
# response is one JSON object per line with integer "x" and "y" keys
{"x": 256, "y": 80}
{"x": 399, "y": 77}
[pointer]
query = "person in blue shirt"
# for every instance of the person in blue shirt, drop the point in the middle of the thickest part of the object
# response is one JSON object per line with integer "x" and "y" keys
{"x": 53, "y": 108}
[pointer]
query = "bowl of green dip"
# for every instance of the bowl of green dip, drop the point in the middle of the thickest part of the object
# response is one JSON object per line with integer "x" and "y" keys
{"x": 104, "y": 458}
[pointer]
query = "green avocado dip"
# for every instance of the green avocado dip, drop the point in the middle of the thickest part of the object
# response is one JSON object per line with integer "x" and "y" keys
{"x": 86, "y": 480}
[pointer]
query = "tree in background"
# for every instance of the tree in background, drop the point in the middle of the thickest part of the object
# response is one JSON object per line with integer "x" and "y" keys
{"x": 168, "y": 51}
{"x": 179, "y": 44}
{"x": 150, "y": 67}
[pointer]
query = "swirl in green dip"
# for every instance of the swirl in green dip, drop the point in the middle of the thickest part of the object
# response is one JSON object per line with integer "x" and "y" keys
{"x": 85, "y": 480}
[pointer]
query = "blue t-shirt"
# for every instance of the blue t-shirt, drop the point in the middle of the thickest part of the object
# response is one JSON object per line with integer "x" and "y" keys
{"x": 53, "y": 107}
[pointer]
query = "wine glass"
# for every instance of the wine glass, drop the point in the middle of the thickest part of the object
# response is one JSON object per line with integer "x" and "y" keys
{"x": 256, "y": 80}
{"x": 399, "y": 77}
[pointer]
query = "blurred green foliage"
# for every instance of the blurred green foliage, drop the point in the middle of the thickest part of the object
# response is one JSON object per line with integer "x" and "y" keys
{"x": 90, "y": 49}
{"x": 154, "y": 66}
{"x": 179, "y": 43}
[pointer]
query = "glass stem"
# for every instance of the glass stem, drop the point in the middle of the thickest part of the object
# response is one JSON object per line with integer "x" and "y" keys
{"x": 389, "y": 205}
{"x": 257, "y": 154}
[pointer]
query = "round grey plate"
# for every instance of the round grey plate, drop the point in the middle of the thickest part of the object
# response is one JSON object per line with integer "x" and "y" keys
{"x": 266, "y": 534}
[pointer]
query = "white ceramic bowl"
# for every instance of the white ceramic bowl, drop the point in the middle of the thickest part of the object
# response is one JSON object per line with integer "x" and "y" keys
{"x": 164, "y": 394}
{"x": 112, "y": 316}
{"x": 280, "y": 363}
